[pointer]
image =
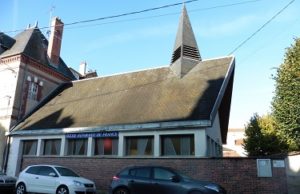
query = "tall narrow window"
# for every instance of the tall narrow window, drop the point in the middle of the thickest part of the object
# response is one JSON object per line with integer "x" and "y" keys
{"x": 139, "y": 146}
{"x": 29, "y": 147}
{"x": 52, "y": 147}
{"x": 174, "y": 145}
{"x": 33, "y": 91}
{"x": 106, "y": 146}
{"x": 77, "y": 146}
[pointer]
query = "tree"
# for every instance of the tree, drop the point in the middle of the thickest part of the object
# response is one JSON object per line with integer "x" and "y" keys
{"x": 261, "y": 138}
{"x": 286, "y": 102}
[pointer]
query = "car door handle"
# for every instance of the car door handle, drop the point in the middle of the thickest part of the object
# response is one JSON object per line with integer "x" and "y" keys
{"x": 131, "y": 181}
{"x": 36, "y": 177}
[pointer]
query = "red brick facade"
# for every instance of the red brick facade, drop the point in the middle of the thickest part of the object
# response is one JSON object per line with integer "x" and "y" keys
{"x": 237, "y": 175}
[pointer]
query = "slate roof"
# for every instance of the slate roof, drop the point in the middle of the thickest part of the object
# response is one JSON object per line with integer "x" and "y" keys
{"x": 5, "y": 42}
{"x": 155, "y": 95}
{"x": 32, "y": 43}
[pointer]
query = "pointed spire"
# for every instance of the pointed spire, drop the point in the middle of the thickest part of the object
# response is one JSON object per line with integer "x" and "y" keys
{"x": 186, "y": 53}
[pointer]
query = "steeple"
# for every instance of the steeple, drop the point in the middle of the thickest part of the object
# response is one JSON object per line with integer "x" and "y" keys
{"x": 186, "y": 53}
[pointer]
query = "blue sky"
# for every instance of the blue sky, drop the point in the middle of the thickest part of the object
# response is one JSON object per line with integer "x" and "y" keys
{"x": 144, "y": 41}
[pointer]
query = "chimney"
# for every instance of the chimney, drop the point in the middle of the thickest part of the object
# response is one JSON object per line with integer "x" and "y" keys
{"x": 82, "y": 68}
{"x": 55, "y": 41}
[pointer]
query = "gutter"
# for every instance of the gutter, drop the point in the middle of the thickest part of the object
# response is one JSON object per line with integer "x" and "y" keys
{"x": 126, "y": 127}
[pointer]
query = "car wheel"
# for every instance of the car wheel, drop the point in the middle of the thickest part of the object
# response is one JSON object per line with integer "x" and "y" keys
{"x": 62, "y": 190}
{"x": 21, "y": 189}
{"x": 121, "y": 191}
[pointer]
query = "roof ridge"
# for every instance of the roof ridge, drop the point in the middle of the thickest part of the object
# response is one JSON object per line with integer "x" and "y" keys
{"x": 123, "y": 73}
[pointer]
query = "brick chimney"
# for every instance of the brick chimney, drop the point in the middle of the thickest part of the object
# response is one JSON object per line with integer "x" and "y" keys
{"x": 55, "y": 41}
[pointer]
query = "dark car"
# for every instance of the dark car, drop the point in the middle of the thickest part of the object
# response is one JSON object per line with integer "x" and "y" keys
{"x": 159, "y": 180}
{"x": 7, "y": 183}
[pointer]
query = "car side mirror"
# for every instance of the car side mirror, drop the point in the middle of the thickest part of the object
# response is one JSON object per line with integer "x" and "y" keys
{"x": 175, "y": 179}
{"x": 52, "y": 174}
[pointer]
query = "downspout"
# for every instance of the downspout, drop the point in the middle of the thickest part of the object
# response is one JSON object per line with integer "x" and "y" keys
{"x": 6, "y": 153}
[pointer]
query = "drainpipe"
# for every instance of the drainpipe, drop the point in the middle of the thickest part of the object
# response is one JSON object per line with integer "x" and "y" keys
{"x": 6, "y": 154}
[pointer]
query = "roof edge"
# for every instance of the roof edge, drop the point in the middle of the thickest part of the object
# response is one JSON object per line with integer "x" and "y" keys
{"x": 122, "y": 73}
{"x": 126, "y": 127}
{"x": 216, "y": 58}
{"x": 223, "y": 88}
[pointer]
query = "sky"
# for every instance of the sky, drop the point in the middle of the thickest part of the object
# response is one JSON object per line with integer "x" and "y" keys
{"x": 146, "y": 40}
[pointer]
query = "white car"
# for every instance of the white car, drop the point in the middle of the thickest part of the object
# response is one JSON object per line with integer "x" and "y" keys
{"x": 53, "y": 179}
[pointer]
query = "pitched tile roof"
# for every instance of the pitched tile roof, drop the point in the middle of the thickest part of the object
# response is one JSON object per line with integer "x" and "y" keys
{"x": 32, "y": 43}
{"x": 155, "y": 95}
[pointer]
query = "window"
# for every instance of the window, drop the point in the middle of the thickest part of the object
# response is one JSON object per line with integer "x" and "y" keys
{"x": 139, "y": 146}
{"x": 239, "y": 142}
{"x": 106, "y": 146}
{"x": 33, "y": 170}
{"x": 46, "y": 170}
{"x": 208, "y": 144}
{"x": 33, "y": 91}
{"x": 77, "y": 146}
{"x": 163, "y": 174}
{"x": 174, "y": 145}
{"x": 29, "y": 147}
{"x": 52, "y": 147}
{"x": 66, "y": 172}
{"x": 140, "y": 172}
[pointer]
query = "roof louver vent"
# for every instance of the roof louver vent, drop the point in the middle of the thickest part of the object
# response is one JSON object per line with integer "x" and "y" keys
{"x": 191, "y": 52}
{"x": 176, "y": 54}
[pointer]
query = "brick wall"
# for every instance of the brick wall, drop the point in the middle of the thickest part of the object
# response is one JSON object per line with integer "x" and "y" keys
{"x": 237, "y": 175}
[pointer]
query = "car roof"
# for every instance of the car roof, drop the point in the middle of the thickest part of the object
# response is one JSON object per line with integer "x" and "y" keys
{"x": 50, "y": 165}
{"x": 148, "y": 166}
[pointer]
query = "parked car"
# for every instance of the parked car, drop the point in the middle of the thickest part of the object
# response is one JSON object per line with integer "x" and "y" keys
{"x": 7, "y": 183}
{"x": 53, "y": 179}
{"x": 159, "y": 180}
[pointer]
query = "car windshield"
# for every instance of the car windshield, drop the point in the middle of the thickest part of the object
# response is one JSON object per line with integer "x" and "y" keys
{"x": 66, "y": 172}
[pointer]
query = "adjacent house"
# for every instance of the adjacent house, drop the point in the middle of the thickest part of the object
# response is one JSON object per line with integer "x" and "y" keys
{"x": 180, "y": 110}
{"x": 30, "y": 69}
{"x": 234, "y": 144}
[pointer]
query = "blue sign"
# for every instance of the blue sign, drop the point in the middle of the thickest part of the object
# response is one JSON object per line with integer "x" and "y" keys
{"x": 95, "y": 135}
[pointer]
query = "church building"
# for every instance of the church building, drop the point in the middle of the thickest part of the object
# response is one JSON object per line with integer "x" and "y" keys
{"x": 179, "y": 110}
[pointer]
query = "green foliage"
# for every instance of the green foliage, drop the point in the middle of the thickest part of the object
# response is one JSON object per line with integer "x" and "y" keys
{"x": 286, "y": 102}
{"x": 261, "y": 138}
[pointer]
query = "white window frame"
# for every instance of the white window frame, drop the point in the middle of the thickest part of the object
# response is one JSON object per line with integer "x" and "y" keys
{"x": 33, "y": 90}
